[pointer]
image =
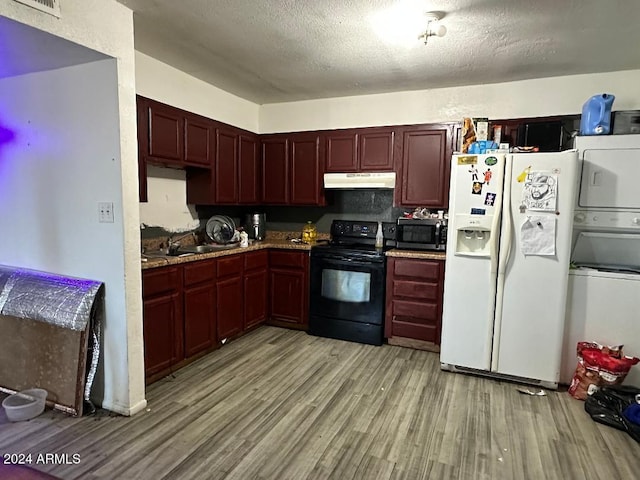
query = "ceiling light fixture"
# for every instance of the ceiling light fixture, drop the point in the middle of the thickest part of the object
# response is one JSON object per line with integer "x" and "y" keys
{"x": 434, "y": 27}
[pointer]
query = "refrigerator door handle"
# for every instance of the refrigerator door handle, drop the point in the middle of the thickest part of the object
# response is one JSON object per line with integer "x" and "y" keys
{"x": 505, "y": 253}
{"x": 495, "y": 236}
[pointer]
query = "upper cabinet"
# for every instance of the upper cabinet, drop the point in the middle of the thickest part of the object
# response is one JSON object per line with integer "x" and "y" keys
{"x": 198, "y": 141}
{"x": 292, "y": 168}
{"x": 143, "y": 147}
{"x": 226, "y": 166}
{"x": 229, "y": 166}
{"x": 275, "y": 169}
{"x": 360, "y": 150}
{"x": 235, "y": 175}
{"x": 342, "y": 152}
{"x": 425, "y": 154}
{"x": 306, "y": 169}
{"x": 376, "y": 150}
{"x": 249, "y": 172}
{"x": 166, "y": 133}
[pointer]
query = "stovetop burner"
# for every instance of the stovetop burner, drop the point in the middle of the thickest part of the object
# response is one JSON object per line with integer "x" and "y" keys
{"x": 356, "y": 239}
{"x": 361, "y": 234}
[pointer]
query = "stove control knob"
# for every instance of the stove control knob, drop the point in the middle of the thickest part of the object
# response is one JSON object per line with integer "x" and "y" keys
{"x": 579, "y": 218}
{"x": 636, "y": 221}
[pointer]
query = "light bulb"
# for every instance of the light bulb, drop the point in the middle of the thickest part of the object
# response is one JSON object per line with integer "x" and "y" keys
{"x": 439, "y": 31}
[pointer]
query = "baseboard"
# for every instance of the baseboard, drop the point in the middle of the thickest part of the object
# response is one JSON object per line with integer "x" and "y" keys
{"x": 124, "y": 410}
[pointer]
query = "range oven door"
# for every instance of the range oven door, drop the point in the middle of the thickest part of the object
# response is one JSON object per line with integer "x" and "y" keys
{"x": 345, "y": 288}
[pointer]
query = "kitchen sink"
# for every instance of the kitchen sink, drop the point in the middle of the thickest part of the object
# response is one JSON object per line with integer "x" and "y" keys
{"x": 205, "y": 248}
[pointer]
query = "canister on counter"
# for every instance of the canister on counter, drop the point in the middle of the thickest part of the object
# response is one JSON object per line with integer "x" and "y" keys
{"x": 309, "y": 232}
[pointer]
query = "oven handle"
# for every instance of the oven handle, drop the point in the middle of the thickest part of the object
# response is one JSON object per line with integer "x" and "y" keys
{"x": 342, "y": 261}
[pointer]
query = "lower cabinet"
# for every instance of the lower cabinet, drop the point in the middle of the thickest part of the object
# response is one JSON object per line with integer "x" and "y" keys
{"x": 256, "y": 281}
{"x": 199, "y": 297}
{"x": 414, "y": 302}
{"x": 289, "y": 288}
{"x": 179, "y": 315}
{"x": 190, "y": 309}
{"x": 241, "y": 292}
{"x": 229, "y": 293}
{"x": 162, "y": 319}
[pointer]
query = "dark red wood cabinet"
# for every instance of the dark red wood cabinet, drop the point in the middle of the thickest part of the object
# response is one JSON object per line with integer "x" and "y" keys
{"x": 199, "y": 306}
{"x": 235, "y": 176}
{"x": 256, "y": 280}
{"x": 360, "y": 150}
{"x": 166, "y": 133}
{"x": 341, "y": 152}
{"x": 249, "y": 172}
{"x": 275, "y": 169}
{"x": 226, "y": 166}
{"x": 143, "y": 146}
{"x": 292, "y": 168}
{"x": 414, "y": 300}
{"x": 198, "y": 141}
{"x": 376, "y": 149}
{"x": 425, "y": 154}
{"x": 162, "y": 319}
{"x": 288, "y": 288}
{"x": 306, "y": 169}
{"x": 229, "y": 306}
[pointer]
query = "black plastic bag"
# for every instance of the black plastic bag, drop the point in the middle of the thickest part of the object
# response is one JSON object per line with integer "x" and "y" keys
{"x": 607, "y": 404}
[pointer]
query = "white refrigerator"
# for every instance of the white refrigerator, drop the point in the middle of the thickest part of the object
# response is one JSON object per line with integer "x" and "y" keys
{"x": 506, "y": 270}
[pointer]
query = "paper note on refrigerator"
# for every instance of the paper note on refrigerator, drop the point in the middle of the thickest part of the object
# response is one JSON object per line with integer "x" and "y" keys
{"x": 538, "y": 235}
{"x": 540, "y": 191}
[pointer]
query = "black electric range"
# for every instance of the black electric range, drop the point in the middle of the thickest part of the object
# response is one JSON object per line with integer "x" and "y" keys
{"x": 347, "y": 287}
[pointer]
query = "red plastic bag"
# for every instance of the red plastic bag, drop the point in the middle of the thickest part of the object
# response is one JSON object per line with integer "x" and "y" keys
{"x": 599, "y": 365}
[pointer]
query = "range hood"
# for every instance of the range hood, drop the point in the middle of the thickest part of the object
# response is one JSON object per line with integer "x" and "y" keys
{"x": 360, "y": 180}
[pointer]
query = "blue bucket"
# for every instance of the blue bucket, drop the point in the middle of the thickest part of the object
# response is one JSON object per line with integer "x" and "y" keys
{"x": 596, "y": 115}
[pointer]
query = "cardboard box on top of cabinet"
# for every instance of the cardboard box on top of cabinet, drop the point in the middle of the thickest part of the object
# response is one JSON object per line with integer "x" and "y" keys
{"x": 482, "y": 129}
{"x": 473, "y": 129}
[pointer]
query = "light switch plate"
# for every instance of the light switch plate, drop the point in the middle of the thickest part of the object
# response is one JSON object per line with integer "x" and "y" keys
{"x": 105, "y": 212}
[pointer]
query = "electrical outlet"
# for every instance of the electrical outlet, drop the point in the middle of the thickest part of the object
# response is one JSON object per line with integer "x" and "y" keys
{"x": 105, "y": 212}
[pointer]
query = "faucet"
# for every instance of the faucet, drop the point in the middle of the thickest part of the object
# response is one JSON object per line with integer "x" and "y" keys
{"x": 174, "y": 244}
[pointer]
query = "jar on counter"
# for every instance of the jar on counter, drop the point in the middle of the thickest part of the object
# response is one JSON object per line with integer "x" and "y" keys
{"x": 309, "y": 233}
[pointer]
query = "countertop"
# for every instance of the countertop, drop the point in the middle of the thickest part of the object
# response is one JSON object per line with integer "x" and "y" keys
{"x": 421, "y": 254}
{"x": 156, "y": 259}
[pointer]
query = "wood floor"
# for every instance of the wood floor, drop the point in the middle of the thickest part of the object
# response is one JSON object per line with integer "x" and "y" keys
{"x": 280, "y": 404}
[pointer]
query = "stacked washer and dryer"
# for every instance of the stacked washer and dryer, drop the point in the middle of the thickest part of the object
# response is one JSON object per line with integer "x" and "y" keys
{"x": 603, "y": 302}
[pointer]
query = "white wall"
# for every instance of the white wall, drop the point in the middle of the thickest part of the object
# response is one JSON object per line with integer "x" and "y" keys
{"x": 528, "y": 98}
{"x": 169, "y": 85}
{"x": 55, "y": 211}
{"x": 166, "y": 188}
{"x": 166, "y": 204}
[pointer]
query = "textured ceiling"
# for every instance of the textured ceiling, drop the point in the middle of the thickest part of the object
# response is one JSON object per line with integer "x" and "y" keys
{"x": 286, "y": 50}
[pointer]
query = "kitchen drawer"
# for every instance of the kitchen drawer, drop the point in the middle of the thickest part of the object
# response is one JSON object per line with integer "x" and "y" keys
{"x": 231, "y": 265}
{"x": 423, "y": 269}
{"x": 416, "y": 290}
{"x": 198, "y": 272}
{"x": 424, "y": 332}
{"x": 281, "y": 258}
{"x": 253, "y": 260}
{"x": 160, "y": 280}
{"x": 428, "y": 312}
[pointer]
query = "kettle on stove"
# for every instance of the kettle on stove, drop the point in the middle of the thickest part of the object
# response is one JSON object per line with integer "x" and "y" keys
{"x": 596, "y": 115}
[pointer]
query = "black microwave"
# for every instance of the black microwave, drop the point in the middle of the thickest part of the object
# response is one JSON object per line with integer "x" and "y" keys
{"x": 422, "y": 234}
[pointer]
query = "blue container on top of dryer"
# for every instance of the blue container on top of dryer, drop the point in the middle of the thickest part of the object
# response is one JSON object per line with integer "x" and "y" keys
{"x": 596, "y": 115}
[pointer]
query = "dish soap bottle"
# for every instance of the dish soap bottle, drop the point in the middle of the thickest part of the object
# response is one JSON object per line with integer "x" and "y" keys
{"x": 379, "y": 236}
{"x": 309, "y": 233}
